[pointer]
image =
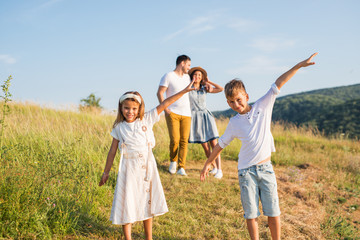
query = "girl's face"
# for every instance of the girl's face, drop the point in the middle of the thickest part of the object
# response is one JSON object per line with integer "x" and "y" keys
{"x": 197, "y": 76}
{"x": 130, "y": 110}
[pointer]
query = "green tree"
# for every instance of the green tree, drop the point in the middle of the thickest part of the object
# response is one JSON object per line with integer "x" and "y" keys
{"x": 91, "y": 101}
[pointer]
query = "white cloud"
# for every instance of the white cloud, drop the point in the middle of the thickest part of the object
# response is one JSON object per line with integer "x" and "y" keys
{"x": 37, "y": 9}
{"x": 195, "y": 26}
{"x": 210, "y": 22}
{"x": 201, "y": 29}
{"x": 199, "y": 20}
{"x": 7, "y": 59}
{"x": 272, "y": 44}
{"x": 173, "y": 35}
{"x": 242, "y": 24}
{"x": 259, "y": 64}
{"x": 49, "y": 3}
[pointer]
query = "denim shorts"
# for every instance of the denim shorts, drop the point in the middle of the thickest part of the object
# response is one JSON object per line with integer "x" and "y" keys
{"x": 259, "y": 182}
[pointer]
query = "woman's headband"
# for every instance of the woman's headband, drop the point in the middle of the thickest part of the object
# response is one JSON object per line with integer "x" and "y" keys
{"x": 130, "y": 95}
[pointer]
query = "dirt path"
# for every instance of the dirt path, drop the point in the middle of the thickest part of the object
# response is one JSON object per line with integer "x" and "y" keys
{"x": 305, "y": 196}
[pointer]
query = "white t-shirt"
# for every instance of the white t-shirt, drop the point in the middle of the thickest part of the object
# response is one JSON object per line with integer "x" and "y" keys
{"x": 253, "y": 129}
{"x": 175, "y": 84}
{"x": 133, "y": 134}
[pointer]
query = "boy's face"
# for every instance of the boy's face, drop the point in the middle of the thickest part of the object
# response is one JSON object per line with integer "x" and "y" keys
{"x": 239, "y": 102}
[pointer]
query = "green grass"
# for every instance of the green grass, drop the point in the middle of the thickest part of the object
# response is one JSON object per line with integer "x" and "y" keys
{"x": 51, "y": 162}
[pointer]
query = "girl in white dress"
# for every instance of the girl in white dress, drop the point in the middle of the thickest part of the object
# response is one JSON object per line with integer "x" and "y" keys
{"x": 138, "y": 195}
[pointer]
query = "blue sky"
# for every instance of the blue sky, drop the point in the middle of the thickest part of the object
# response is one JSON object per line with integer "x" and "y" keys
{"x": 60, "y": 51}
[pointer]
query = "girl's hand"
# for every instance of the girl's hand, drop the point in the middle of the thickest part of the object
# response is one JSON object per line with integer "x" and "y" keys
{"x": 307, "y": 62}
{"x": 190, "y": 86}
{"x": 204, "y": 173}
{"x": 104, "y": 178}
{"x": 170, "y": 100}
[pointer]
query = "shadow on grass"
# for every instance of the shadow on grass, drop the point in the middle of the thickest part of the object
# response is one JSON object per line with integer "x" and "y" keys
{"x": 165, "y": 168}
{"x": 90, "y": 228}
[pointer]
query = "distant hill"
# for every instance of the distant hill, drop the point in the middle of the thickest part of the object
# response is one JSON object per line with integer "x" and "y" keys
{"x": 331, "y": 110}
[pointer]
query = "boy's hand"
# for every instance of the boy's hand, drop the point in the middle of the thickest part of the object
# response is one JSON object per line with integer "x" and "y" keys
{"x": 104, "y": 178}
{"x": 204, "y": 173}
{"x": 307, "y": 62}
{"x": 285, "y": 77}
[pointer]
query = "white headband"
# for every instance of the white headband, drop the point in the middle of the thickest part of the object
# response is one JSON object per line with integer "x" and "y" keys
{"x": 130, "y": 95}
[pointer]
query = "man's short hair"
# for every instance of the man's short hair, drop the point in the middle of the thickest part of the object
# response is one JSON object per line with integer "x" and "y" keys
{"x": 182, "y": 58}
{"x": 234, "y": 87}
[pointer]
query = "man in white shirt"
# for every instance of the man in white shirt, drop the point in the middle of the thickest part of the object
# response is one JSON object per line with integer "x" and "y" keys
{"x": 178, "y": 114}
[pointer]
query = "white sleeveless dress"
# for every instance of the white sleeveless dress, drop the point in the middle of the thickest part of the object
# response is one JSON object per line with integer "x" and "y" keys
{"x": 138, "y": 194}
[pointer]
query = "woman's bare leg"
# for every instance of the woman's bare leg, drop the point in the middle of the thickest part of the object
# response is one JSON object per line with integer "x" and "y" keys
{"x": 218, "y": 160}
{"x": 207, "y": 151}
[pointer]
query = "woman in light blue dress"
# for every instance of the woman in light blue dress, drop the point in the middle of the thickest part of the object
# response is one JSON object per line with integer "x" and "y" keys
{"x": 203, "y": 127}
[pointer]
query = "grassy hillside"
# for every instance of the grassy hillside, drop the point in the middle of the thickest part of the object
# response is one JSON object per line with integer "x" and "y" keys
{"x": 318, "y": 109}
{"x": 51, "y": 162}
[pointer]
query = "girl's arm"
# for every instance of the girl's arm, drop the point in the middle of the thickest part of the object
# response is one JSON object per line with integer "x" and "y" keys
{"x": 160, "y": 96}
{"x": 214, "y": 154}
{"x": 170, "y": 100}
{"x": 216, "y": 89}
{"x": 109, "y": 161}
{"x": 289, "y": 74}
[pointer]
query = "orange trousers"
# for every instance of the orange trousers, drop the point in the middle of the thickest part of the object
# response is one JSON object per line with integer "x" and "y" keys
{"x": 179, "y": 131}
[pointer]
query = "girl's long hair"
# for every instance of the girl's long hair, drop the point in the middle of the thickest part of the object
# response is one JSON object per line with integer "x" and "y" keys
{"x": 120, "y": 117}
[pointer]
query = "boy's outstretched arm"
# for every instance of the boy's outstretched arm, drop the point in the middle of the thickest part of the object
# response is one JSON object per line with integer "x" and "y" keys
{"x": 289, "y": 74}
{"x": 214, "y": 154}
{"x": 170, "y": 100}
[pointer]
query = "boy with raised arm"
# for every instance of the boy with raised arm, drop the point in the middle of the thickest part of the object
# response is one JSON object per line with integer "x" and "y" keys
{"x": 252, "y": 126}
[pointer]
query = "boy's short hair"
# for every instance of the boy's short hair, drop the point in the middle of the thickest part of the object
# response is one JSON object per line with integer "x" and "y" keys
{"x": 233, "y": 87}
{"x": 182, "y": 58}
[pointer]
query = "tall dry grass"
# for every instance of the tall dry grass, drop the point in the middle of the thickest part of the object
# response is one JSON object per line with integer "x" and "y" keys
{"x": 52, "y": 160}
